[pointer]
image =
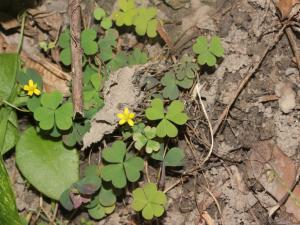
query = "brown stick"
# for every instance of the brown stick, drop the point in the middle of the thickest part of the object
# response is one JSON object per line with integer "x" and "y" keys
{"x": 75, "y": 25}
{"x": 245, "y": 80}
{"x": 293, "y": 43}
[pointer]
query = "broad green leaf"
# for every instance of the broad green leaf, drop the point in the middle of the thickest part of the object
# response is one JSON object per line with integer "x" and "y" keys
{"x": 9, "y": 133}
{"x": 156, "y": 110}
{"x": 166, "y": 128}
{"x": 8, "y": 71}
{"x": 52, "y": 100}
{"x": 46, "y": 164}
{"x": 8, "y": 210}
{"x": 174, "y": 157}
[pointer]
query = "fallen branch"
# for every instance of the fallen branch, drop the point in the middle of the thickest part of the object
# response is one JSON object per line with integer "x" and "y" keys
{"x": 75, "y": 25}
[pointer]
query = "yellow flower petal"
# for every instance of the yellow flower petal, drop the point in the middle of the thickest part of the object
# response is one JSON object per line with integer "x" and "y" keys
{"x": 26, "y": 87}
{"x": 120, "y": 116}
{"x": 30, "y": 92}
{"x": 30, "y": 83}
{"x": 131, "y": 115}
{"x": 130, "y": 122}
{"x": 126, "y": 111}
{"x": 37, "y": 91}
{"x": 122, "y": 121}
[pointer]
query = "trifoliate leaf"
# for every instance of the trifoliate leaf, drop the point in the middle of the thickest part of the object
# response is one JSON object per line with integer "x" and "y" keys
{"x": 99, "y": 13}
{"x": 149, "y": 200}
{"x": 156, "y": 111}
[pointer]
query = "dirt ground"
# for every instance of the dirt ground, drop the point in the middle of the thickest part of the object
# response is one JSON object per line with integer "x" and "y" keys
{"x": 263, "y": 124}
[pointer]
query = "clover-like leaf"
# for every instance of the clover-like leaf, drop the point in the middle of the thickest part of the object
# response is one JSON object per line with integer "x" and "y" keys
{"x": 88, "y": 42}
{"x": 52, "y": 113}
{"x": 99, "y": 13}
{"x": 186, "y": 68}
{"x": 88, "y": 185}
{"x": 171, "y": 90}
{"x": 145, "y": 139}
{"x": 156, "y": 111}
{"x": 98, "y": 212}
{"x": 106, "y": 23}
{"x": 119, "y": 61}
{"x": 175, "y": 114}
{"x": 119, "y": 168}
{"x": 145, "y": 22}
{"x": 173, "y": 158}
{"x": 207, "y": 53}
{"x": 126, "y": 13}
{"x": 137, "y": 57}
{"x": 77, "y": 133}
{"x": 63, "y": 116}
{"x": 149, "y": 200}
{"x": 106, "y": 196}
{"x": 107, "y": 43}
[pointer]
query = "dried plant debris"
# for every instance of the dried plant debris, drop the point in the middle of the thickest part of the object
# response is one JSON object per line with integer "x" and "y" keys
{"x": 119, "y": 92}
{"x": 277, "y": 174}
{"x": 286, "y": 6}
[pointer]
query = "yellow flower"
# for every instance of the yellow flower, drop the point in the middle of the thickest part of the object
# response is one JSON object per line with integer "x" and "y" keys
{"x": 126, "y": 117}
{"x": 31, "y": 88}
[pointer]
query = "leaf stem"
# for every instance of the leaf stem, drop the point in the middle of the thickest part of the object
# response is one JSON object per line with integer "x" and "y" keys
{"x": 22, "y": 32}
{"x": 15, "y": 107}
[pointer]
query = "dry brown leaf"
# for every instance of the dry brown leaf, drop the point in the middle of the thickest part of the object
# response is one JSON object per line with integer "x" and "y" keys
{"x": 276, "y": 172}
{"x": 285, "y": 7}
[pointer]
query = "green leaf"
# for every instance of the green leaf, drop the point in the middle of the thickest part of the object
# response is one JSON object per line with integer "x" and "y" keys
{"x": 9, "y": 133}
{"x": 120, "y": 168}
{"x": 30, "y": 74}
{"x": 46, "y": 164}
{"x": 64, "y": 40}
{"x": 45, "y": 117}
{"x": 174, "y": 157}
{"x": 151, "y": 28}
{"x": 65, "y": 56}
{"x": 88, "y": 185}
{"x": 176, "y": 113}
{"x": 66, "y": 201}
{"x": 88, "y": 42}
{"x": 8, "y": 70}
{"x": 63, "y": 116}
{"x": 97, "y": 212}
{"x": 8, "y": 210}
{"x": 92, "y": 170}
{"x": 33, "y": 103}
{"x": 140, "y": 140}
{"x": 216, "y": 46}
{"x": 51, "y": 100}
{"x": 116, "y": 153}
{"x": 106, "y": 23}
{"x": 152, "y": 146}
{"x": 119, "y": 61}
{"x": 99, "y": 13}
{"x": 186, "y": 83}
{"x": 150, "y": 132}
{"x": 208, "y": 52}
{"x": 156, "y": 111}
{"x": 166, "y": 128}
{"x": 107, "y": 197}
{"x": 149, "y": 200}
{"x": 137, "y": 57}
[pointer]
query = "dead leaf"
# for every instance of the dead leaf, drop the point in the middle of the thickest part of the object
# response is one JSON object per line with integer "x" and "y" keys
{"x": 285, "y": 7}
{"x": 276, "y": 172}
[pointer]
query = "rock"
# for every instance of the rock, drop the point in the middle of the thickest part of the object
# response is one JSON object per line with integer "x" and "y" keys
{"x": 287, "y": 100}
